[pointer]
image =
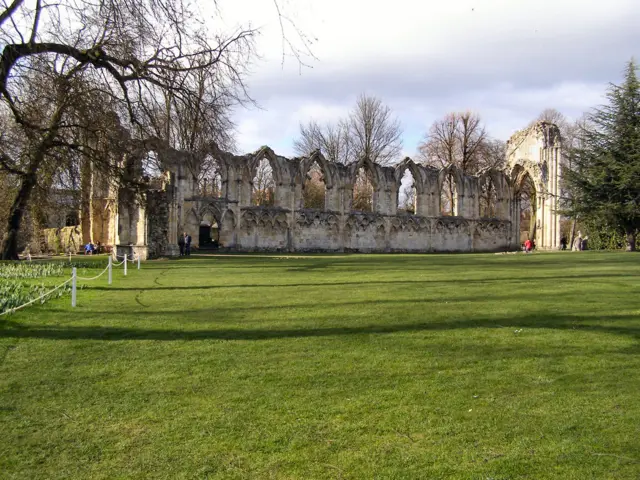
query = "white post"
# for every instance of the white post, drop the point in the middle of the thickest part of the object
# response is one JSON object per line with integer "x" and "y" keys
{"x": 125, "y": 264}
{"x": 29, "y": 256}
{"x": 110, "y": 267}
{"x": 138, "y": 261}
{"x": 73, "y": 287}
{"x": 69, "y": 256}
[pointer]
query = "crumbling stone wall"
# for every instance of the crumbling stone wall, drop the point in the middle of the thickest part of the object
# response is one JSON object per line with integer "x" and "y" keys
{"x": 176, "y": 206}
{"x": 62, "y": 240}
{"x": 287, "y": 226}
{"x": 158, "y": 223}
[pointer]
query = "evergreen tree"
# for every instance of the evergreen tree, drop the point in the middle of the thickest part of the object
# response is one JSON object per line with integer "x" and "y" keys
{"x": 604, "y": 177}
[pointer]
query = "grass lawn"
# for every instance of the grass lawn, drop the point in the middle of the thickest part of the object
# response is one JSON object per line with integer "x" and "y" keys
{"x": 344, "y": 366}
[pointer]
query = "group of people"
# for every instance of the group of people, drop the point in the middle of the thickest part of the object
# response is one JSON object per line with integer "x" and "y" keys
{"x": 184, "y": 242}
{"x": 90, "y": 248}
{"x": 579, "y": 244}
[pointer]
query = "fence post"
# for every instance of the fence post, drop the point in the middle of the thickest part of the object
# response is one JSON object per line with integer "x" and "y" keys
{"x": 138, "y": 261}
{"x": 73, "y": 287}
{"x": 125, "y": 264}
{"x": 110, "y": 275}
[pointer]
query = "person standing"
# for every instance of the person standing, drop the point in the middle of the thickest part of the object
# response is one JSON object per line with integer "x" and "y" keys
{"x": 528, "y": 245}
{"x": 187, "y": 244}
{"x": 181, "y": 243}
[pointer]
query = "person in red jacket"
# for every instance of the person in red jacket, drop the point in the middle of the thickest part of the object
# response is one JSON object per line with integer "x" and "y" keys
{"x": 528, "y": 245}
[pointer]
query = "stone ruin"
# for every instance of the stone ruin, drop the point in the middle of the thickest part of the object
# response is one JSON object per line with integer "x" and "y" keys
{"x": 150, "y": 225}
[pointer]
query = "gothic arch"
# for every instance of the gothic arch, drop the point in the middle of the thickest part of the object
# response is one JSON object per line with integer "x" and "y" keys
{"x": 536, "y": 152}
{"x": 409, "y": 164}
{"x": 317, "y": 157}
{"x": 210, "y": 212}
{"x": 368, "y": 166}
{"x": 228, "y": 220}
{"x": 265, "y": 153}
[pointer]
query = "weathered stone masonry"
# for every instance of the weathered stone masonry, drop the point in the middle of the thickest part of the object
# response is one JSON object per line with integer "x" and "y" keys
{"x": 173, "y": 205}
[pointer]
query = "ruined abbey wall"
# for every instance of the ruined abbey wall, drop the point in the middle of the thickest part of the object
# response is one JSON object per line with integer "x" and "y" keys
{"x": 287, "y": 226}
{"x": 173, "y": 205}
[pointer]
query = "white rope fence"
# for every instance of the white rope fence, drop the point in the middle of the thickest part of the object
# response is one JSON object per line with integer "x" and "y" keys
{"x": 14, "y": 309}
{"x": 125, "y": 260}
{"x": 74, "y": 280}
{"x": 85, "y": 279}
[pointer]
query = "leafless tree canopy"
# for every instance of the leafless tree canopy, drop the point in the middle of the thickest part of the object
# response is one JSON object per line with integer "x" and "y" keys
{"x": 263, "y": 185}
{"x": 78, "y": 75}
{"x": 314, "y": 191}
{"x": 370, "y": 131}
{"x": 375, "y": 133}
{"x": 363, "y": 192}
{"x": 135, "y": 49}
{"x": 333, "y": 140}
{"x": 460, "y": 139}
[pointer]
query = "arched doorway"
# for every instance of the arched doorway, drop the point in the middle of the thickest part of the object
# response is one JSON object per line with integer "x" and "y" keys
{"x": 534, "y": 156}
{"x": 526, "y": 204}
{"x": 209, "y": 234}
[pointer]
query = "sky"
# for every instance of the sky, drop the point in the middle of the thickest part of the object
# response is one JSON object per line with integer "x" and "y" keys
{"x": 506, "y": 60}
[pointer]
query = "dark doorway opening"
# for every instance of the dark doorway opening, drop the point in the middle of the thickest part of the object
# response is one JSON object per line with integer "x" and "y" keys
{"x": 208, "y": 236}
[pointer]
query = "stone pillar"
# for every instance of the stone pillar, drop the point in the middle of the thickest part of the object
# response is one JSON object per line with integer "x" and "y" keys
{"x": 471, "y": 205}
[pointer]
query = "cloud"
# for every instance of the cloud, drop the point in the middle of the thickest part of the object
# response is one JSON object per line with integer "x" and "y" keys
{"x": 507, "y": 60}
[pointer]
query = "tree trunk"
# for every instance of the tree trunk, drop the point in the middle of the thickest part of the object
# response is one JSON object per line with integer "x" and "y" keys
{"x": 86, "y": 202}
{"x": 29, "y": 180}
{"x": 10, "y": 244}
{"x": 631, "y": 241}
{"x": 573, "y": 233}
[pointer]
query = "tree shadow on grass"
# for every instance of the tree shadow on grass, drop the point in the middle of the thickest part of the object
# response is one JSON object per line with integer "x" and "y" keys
{"x": 11, "y": 329}
{"x": 412, "y": 303}
{"x": 459, "y": 281}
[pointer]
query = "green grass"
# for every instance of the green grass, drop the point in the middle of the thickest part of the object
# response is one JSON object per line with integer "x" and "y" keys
{"x": 345, "y": 366}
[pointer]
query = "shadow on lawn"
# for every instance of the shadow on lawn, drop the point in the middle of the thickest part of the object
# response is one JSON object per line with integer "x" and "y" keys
{"x": 459, "y": 281}
{"x": 11, "y": 329}
{"x": 439, "y": 302}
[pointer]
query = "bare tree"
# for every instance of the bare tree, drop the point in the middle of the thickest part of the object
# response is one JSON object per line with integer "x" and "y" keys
{"x": 408, "y": 199}
{"x": 263, "y": 185}
{"x": 369, "y": 131}
{"x": 124, "y": 54}
{"x": 195, "y": 125}
{"x": 554, "y": 116}
{"x": 493, "y": 154}
{"x": 375, "y": 134}
{"x": 333, "y": 140}
{"x": 314, "y": 189}
{"x": 569, "y": 130}
{"x": 457, "y": 139}
{"x": 363, "y": 192}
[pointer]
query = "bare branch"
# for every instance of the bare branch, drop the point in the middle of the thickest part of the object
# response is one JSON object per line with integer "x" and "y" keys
{"x": 36, "y": 20}
{"x": 10, "y": 10}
